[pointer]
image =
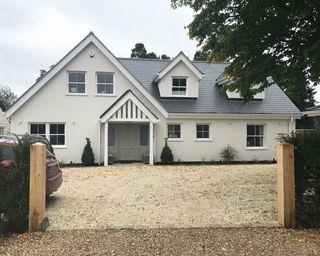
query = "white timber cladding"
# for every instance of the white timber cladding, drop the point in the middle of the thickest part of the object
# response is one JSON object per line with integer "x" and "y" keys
{"x": 128, "y": 108}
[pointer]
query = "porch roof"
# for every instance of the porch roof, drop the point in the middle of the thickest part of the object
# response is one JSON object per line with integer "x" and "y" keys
{"x": 128, "y": 108}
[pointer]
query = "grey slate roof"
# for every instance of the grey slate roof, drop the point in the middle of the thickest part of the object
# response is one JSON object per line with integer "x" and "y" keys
{"x": 210, "y": 100}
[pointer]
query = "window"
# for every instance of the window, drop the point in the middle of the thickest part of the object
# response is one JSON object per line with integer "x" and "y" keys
{"x": 111, "y": 136}
{"x": 38, "y": 129}
{"x": 144, "y": 135}
{"x": 1, "y": 130}
{"x": 174, "y": 131}
{"x": 179, "y": 86}
{"x": 105, "y": 83}
{"x": 202, "y": 131}
{"x": 255, "y": 135}
{"x": 77, "y": 82}
{"x": 57, "y": 134}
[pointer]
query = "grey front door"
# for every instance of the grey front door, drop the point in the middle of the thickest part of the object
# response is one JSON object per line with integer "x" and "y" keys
{"x": 127, "y": 137}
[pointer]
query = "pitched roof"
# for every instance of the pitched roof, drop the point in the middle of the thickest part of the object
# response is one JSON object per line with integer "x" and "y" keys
{"x": 211, "y": 100}
{"x": 90, "y": 38}
{"x": 181, "y": 57}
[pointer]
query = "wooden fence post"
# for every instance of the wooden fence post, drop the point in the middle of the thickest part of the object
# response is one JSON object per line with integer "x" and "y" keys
{"x": 286, "y": 185}
{"x": 37, "y": 196}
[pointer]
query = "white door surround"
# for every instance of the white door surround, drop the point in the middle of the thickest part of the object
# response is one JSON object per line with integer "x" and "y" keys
{"x": 128, "y": 108}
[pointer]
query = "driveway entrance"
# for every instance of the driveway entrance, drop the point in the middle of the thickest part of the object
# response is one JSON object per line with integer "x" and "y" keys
{"x": 142, "y": 196}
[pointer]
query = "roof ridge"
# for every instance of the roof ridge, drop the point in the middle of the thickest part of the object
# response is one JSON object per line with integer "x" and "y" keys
{"x": 143, "y": 59}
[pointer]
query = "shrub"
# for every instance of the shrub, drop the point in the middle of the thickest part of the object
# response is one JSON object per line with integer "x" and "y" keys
{"x": 307, "y": 177}
{"x": 166, "y": 154}
{"x": 228, "y": 154}
{"x": 14, "y": 190}
{"x": 87, "y": 157}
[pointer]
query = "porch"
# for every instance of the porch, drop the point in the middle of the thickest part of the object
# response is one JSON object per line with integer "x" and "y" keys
{"x": 127, "y": 131}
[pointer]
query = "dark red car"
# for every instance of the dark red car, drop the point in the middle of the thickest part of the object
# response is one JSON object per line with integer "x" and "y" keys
{"x": 53, "y": 171}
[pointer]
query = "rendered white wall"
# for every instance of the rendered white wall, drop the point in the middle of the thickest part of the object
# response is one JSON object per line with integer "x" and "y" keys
{"x": 80, "y": 113}
{"x": 222, "y": 133}
{"x": 165, "y": 84}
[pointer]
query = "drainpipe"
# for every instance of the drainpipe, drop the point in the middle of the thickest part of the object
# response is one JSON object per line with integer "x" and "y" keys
{"x": 292, "y": 125}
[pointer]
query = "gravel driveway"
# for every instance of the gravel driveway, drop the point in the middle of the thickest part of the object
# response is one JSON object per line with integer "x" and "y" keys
{"x": 142, "y": 196}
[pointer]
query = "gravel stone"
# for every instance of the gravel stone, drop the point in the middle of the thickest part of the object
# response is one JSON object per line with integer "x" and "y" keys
{"x": 223, "y": 241}
{"x": 143, "y": 196}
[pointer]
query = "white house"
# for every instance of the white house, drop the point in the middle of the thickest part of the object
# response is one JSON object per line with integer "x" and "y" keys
{"x": 127, "y": 107}
{"x": 4, "y": 124}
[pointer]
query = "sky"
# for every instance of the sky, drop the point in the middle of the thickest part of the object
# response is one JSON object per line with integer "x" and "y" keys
{"x": 36, "y": 34}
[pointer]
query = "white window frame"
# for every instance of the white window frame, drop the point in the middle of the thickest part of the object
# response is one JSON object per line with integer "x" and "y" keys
{"x": 113, "y": 84}
{"x": 47, "y": 130}
{"x": 2, "y": 128}
{"x": 174, "y": 139}
{"x": 209, "y": 131}
{"x": 57, "y": 134}
{"x": 38, "y": 134}
{"x": 68, "y": 83}
{"x": 186, "y": 87}
{"x": 256, "y": 136}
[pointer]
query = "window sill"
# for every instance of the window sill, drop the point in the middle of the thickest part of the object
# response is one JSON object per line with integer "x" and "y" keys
{"x": 76, "y": 94}
{"x": 104, "y": 95}
{"x": 58, "y": 146}
{"x": 203, "y": 140}
{"x": 256, "y": 148}
{"x": 175, "y": 140}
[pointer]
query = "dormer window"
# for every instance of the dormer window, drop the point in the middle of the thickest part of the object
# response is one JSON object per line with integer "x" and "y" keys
{"x": 179, "y": 86}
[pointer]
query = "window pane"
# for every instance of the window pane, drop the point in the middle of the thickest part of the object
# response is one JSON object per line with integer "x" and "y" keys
{"x": 81, "y": 77}
{"x": 206, "y": 128}
{"x": 259, "y": 141}
{"x": 101, "y": 78}
{"x": 72, "y": 77}
{"x": 170, "y": 128}
{"x": 177, "y": 127}
{"x": 144, "y": 135}
{"x": 61, "y": 128}
{"x": 33, "y": 129}
{"x": 183, "y": 82}
{"x": 250, "y": 141}
{"x": 175, "y": 81}
{"x": 53, "y": 140}
{"x": 259, "y": 130}
{"x": 250, "y": 130}
{"x": 42, "y": 128}
{"x": 73, "y": 88}
{"x": 109, "y": 89}
{"x": 101, "y": 88}
{"x": 199, "y": 135}
{"x": 206, "y": 134}
{"x": 109, "y": 78}
{"x": 60, "y": 139}
{"x": 53, "y": 129}
{"x": 81, "y": 88}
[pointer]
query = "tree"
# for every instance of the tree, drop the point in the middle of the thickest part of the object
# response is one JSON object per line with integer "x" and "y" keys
{"x": 165, "y": 57}
{"x": 262, "y": 38}
{"x": 87, "y": 157}
{"x": 198, "y": 56}
{"x": 7, "y": 97}
{"x": 139, "y": 51}
{"x": 166, "y": 154}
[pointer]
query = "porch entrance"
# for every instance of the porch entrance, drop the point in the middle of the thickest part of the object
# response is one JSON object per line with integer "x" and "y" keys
{"x": 128, "y": 142}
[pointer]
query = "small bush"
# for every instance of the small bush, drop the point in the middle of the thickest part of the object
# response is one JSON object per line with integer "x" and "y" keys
{"x": 87, "y": 157}
{"x": 14, "y": 190}
{"x": 307, "y": 177}
{"x": 166, "y": 154}
{"x": 229, "y": 154}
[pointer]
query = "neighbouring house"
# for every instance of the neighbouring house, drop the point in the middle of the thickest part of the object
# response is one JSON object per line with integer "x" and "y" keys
{"x": 4, "y": 124}
{"x": 128, "y": 107}
{"x": 314, "y": 113}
